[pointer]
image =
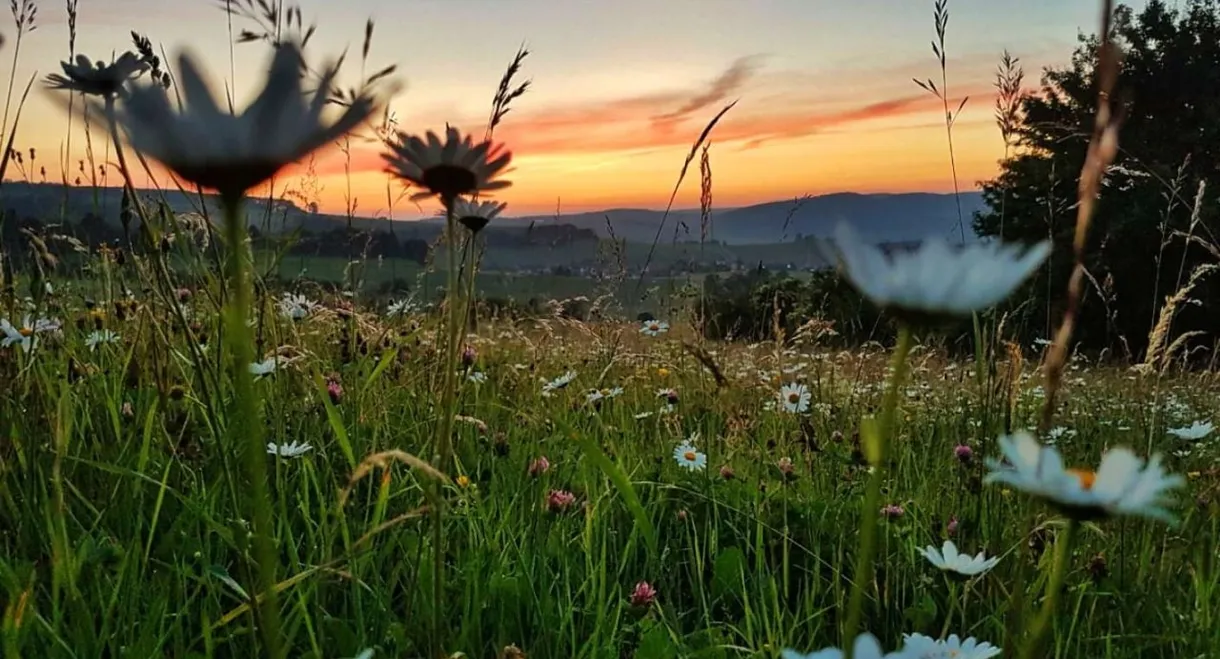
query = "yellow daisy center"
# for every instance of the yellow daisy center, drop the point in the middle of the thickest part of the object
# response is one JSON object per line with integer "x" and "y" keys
{"x": 794, "y": 398}
{"x": 689, "y": 455}
{"x": 1086, "y": 477}
{"x": 26, "y": 332}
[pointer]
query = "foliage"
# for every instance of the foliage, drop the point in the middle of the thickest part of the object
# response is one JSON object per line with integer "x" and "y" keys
{"x": 1138, "y": 253}
{"x": 750, "y": 305}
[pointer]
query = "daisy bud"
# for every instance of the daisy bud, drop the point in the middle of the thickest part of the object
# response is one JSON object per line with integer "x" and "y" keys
{"x": 951, "y": 527}
{"x": 127, "y": 411}
{"x": 785, "y": 467}
{"x": 643, "y": 595}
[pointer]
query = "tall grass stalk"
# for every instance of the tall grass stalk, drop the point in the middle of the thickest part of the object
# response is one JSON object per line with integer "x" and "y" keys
{"x": 940, "y": 18}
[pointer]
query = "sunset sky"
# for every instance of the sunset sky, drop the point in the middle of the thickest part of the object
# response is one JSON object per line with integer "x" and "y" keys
{"x": 621, "y": 88}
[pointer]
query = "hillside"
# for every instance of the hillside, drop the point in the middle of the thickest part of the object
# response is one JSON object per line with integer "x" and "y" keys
{"x": 882, "y": 217}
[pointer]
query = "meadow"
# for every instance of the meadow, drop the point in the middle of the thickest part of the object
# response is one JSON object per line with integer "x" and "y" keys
{"x": 202, "y": 455}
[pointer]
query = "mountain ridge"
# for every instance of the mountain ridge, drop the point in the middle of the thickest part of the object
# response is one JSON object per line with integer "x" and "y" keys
{"x": 881, "y": 217}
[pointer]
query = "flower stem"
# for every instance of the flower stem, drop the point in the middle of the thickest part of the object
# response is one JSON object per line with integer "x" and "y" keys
{"x": 944, "y": 630}
{"x": 444, "y": 448}
{"x": 245, "y": 428}
{"x": 1063, "y": 550}
{"x": 127, "y": 181}
{"x": 872, "y": 497}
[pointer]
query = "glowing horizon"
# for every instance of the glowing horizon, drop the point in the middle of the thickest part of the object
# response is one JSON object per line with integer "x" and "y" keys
{"x": 825, "y": 97}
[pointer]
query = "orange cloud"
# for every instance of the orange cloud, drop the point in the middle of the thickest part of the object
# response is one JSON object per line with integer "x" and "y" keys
{"x": 645, "y": 124}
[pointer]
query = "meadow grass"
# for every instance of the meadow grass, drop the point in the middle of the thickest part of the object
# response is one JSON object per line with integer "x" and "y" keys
{"x": 122, "y": 540}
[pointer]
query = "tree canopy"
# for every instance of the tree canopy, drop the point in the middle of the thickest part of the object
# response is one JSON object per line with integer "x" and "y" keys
{"x": 1148, "y": 235}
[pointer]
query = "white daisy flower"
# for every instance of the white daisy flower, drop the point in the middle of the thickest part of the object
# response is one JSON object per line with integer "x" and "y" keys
{"x": 795, "y": 398}
{"x": 558, "y": 383}
{"x": 477, "y": 377}
{"x": 25, "y": 335}
{"x": 451, "y": 168}
{"x": 595, "y": 395}
{"x": 292, "y": 450}
{"x": 296, "y": 307}
{"x": 918, "y": 646}
{"x": 475, "y": 215}
{"x": 399, "y": 308}
{"x": 936, "y": 279}
{"x": 690, "y": 458}
{"x": 265, "y": 367}
{"x": 1122, "y": 484}
{"x": 1058, "y": 432}
{"x": 949, "y": 559}
{"x": 100, "y": 79}
{"x": 1194, "y": 432}
{"x": 202, "y": 142}
{"x": 654, "y": 327}
{"x": 643, "y": 415}
{"x": 101, "y": 336}
{"x": 865, "y": 646}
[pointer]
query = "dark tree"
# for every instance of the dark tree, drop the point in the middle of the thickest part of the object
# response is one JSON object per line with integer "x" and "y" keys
{"x": 1167, "y": 96}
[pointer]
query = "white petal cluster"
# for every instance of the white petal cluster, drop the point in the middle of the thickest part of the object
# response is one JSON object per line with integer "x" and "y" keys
{"x": 949, "y": 559}
{"x": 1122, "y": 485}
{"x": 935, "y": 278}
{"x": 207, "y": 144}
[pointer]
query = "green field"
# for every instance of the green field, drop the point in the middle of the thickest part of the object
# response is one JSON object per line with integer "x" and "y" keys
{"x": 126, "y": 516}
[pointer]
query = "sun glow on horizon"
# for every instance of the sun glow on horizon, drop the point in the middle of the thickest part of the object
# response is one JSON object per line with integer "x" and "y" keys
{"x": 609, "y": 126}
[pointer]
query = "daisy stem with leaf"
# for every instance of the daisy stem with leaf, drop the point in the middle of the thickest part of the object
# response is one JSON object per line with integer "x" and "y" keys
{"x": 876, "y": 440}
{"x": 245, "y": 429}
{"x": 1063, "y": 552}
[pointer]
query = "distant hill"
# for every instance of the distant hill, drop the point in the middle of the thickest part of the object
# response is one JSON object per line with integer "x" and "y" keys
{"x": 881, "y": 217}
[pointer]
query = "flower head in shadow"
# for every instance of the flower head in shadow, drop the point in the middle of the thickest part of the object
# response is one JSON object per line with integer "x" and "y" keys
{"x": 232, "y": 152}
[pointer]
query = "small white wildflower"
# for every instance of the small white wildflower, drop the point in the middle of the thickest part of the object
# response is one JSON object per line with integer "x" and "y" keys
{"x": 291, "y": 450}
